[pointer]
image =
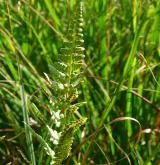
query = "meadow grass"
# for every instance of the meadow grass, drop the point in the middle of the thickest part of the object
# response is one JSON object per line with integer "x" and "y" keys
{"x": 116, "y": 86}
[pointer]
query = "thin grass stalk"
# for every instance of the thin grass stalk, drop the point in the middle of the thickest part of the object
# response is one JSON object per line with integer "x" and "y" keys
{"x": 134, "y": 14}
{"x": 9, "y": 16}
{"x": 129, "y": 98}
{"x": 27, "y": 131}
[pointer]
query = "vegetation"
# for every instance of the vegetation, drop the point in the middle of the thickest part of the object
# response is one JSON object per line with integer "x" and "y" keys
{"x": 79, "y": 82}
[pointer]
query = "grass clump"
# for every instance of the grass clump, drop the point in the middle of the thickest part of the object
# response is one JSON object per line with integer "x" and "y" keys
{"x": 48, "y": 89}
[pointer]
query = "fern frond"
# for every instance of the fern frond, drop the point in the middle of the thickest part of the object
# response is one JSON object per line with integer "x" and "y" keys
{"x": 68, "y": 66}
{"x": 63, "y": 149}
{"x": 45, "y": 145}
{"x": 64, "y": 79}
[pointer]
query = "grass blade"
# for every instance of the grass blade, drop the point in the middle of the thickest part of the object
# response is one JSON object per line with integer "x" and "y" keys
{"x": 27, "y": 131}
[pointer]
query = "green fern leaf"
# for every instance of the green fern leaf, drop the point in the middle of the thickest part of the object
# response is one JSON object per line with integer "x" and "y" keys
{"x": 63, "y": 149}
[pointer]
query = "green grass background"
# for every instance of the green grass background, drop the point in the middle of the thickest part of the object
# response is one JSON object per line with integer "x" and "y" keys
{"x": 121, "y": 84}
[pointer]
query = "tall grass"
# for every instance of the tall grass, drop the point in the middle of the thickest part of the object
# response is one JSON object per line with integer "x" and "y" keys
{"x": 118, "y": 88}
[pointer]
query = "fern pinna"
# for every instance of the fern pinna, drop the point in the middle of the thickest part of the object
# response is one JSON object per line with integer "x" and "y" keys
{"x": 64, "y": 78}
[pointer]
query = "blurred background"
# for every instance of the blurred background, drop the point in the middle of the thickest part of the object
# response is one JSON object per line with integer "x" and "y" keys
{"x": 121, "y": 83}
